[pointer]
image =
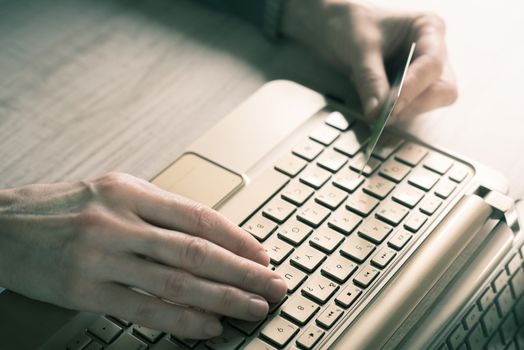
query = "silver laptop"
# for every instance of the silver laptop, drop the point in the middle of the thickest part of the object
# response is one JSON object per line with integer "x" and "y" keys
{"x": 422, "y": 252}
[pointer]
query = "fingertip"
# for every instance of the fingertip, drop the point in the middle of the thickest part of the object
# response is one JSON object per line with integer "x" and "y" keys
{"x": 213, "y": 328}
{"x": 370, "y": 107}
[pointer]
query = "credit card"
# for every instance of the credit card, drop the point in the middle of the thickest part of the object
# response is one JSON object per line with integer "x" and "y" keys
{"x": 386, "y": 110}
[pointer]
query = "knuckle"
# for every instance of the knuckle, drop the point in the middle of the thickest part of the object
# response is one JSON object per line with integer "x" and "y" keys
{"x": 113, "y": 182}
{"x": 431, "y": 20}
{"x": 204, "y": 217}
{"x": 176, "y": 285}
{"x": 248, "y": 276}
{"x": 195, "y": 252}
{"x": 227, "y": 298}
{"x": 451, "y": 94}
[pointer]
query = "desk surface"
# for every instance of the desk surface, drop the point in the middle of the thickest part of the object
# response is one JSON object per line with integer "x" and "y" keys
{"x": 90, "y": 86}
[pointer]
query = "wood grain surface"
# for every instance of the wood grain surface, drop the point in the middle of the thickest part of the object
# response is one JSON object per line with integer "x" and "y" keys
{"x": 90, "y": 86}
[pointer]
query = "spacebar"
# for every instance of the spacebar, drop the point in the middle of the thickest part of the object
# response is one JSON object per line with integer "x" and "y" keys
{"x": 252, "y": 196}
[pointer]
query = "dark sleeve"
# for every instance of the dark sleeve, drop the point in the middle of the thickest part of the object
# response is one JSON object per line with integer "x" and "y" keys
{"x": 252, "y": 10}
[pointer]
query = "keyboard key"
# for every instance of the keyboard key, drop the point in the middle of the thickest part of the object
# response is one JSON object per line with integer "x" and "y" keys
{"x": 326, "y": 239}
{"x": 415, "y": 221}
{"x": 430, "y": 204}
{"x": 472, "y": 316}
{"x": 315, "y": 176}
{"x": 457, "y": 336}
{"x": 391, "y": 212}
{"x": 330, "y": 197}
{"x": 310, "y": 337}
{"x": 293, "y": 276}
{"x": 357, "y": 249}
{"x": 257, "y": 344}
{"x": 387, "y": 145}
{"x": 458, "y": 173}
{"x": 366, "y": 276}
{"x": 127, "y": 342}
{"x": 348, "y": 296}
{"x": 361, "y": 203}
{"x": 94, "y": 346}
{"x": 423, "y": 179}
{"x": 105, "y": 330}
{"x": 297, "y": 193}
{"x": 438, "y": 163}
{"x": 351, "y": 142}
{"x": 329, "y": 316}
{"x": 307, "y": 258}
{"x": 344, "y": 221}
{"x": 324, "y": 134}
{"x": 190, "y": 343}
{"x": 399, "y": 239}
{"x": 294, "y": 231}
{"x": 504, "y": 301}
{"x": 319, "y": 289}
{"x": 260, "y": 227}
{"x": 411, "y": 154}
{"x": 348, "y": 180}
{"x": 166, "y": 344}
{"x": 338, "y": 268}
{"x": 394, "y": 170}
{"x": 495, "y": 343}
{"x": 490, "y": 320}
{"x": 500, "y": 281}
{"x": 517, "y": 283}
{"x": 313, "y": 214}
{"x": 408, "y": 195}
{"x": 358, "y": 161}
{"x": 445, "y": 188}
{"x": 486, "y": 298}
{"x": 374, "y": 230}
{"x": 290, "y": 165}
{"x": 279, "y": 331}
{"x": 228, "y": 340}
{"x": 278, "y": 210}
{"x": 277, "y": 250}
{"x": 508, "y": 329}
{"x": 339, "y": 121}
{"x": 332, "y": 160}
{"x": 308, "y": 149}
{"x": 476, "y": 339}
{"x": 513, "y": 264}
{"x": 246, "y": 327}
{"x": 383, "y": 257}
{"x": 378, "y": 187}
{"x": 79, "y": 342}
{"x": 151, "y": 335}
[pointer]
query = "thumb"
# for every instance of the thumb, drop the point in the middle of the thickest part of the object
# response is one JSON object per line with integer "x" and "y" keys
{"x": 370, "y": 77}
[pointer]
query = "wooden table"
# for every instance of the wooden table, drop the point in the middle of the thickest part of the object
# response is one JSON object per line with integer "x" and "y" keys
{"x": 90, "y": 86}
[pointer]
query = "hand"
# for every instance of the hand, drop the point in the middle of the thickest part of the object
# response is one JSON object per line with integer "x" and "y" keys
{"x": 361, "y": 40}
{"x": 91, "y": 245}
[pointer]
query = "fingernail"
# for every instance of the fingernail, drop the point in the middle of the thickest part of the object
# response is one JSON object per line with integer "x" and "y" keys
{"x": 370, "y": 106}
{"x": 213, "y": 328}
{"x": 277, "y": 289}
{"x": 258, "y": 307}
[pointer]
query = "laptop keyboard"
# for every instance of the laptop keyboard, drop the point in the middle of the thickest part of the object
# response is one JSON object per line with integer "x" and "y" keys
{"x": 495, "y": 319}
{"x": 331, "y": 234}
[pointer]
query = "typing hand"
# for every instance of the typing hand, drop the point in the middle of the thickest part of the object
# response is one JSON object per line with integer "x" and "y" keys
{"x": 359, "y": 39}
{"x": 85, "y": 245}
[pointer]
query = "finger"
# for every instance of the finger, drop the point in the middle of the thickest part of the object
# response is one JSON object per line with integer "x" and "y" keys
{"x": 154, "y": 313}
{"x": 183, "y": 288}
{"x": 442, "y": 93}
{"x": 208, "y": 260}
{"x": 428, "y": 60}
{"x": 171, "y": 211}
{"x": 370, "y": 77}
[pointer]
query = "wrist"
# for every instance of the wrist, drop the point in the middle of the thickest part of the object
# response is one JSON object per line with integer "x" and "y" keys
{"x": 302, "y": 20}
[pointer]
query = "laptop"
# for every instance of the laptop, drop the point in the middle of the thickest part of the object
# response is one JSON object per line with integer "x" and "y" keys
{"x": 424, "y": 251}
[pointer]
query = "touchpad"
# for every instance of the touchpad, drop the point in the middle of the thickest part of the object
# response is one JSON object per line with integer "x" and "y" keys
{"x": 197, "y": 178}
